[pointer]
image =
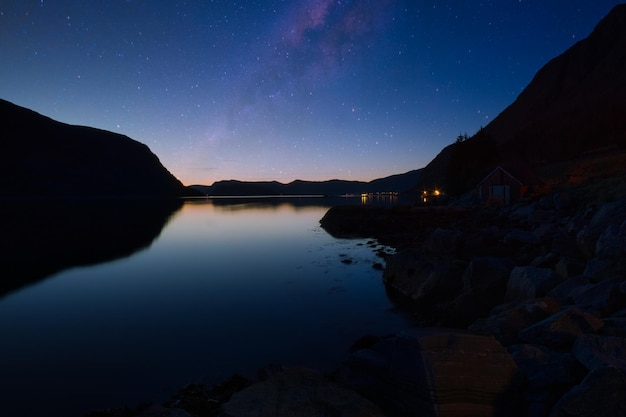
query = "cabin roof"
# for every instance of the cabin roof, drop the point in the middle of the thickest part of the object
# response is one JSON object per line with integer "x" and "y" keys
{"x": 499, "y": 167}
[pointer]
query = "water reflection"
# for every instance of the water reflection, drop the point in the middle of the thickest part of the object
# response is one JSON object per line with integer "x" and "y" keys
{"x": 225, "y": 288}
{"x": 42, "y": 237}
{"x": 271, "y": 202}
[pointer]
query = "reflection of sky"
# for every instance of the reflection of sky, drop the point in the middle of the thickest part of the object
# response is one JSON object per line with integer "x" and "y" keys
{"x": 279, "y": 90}
{"x": 220, "y": 291}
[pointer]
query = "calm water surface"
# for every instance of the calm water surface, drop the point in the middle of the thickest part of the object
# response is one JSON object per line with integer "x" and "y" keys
{"x": 227, "y": 287}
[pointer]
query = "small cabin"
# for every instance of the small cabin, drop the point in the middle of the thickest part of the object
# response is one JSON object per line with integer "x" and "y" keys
{"x": 501, "y": 187}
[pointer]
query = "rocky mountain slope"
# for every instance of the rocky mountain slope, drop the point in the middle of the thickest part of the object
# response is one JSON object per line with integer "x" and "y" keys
{"x": 43, "y": 157}
{"x": 573, "y": 108}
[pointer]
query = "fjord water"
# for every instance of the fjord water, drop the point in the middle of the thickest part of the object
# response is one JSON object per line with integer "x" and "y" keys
{"x": 224, "y": 287}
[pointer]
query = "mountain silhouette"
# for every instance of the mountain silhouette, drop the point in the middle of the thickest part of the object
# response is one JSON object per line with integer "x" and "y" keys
{"x": 393, "y": 183}
{"x": 43, "y": 157}
{"x": 574, "y": 107}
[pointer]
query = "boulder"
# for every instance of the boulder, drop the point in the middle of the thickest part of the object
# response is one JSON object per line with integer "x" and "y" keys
{"x": 545, "y": 261}
{"x": 539, "y": 217}
{"x": 601, "y": 393}
{"x": 569, "y": 267}
{"x": 565, "y": 245}
{"x": 613, "y": 213}
{"x": 298, "y": 392}
{"x": 598, "y": 269}
{"x": 563, "y": 200}
{"x": 605, "y": 297}
{"x": 570, "y": 288}
{"x": 425, "y": 279}
{"x": 547, "y": 368}
{"x": 444, "y": 242}
{"x": 527, "y": 282}
{"x": 547, "y": 231}
{"x": 484, "y": 285}
{"x": 612, "y": 242}
{"x": 505, "y": 322}
{"x": 436, "y": 372}
{"x": 521, "y": 236}
{"x": 596, "y": 351}
{"x": 561, "y": 330}
{"x": 549, "y": 375}
{"x": 614, "y": 326}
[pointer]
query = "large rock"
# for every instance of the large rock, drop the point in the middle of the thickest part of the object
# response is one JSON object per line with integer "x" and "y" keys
{"x": 436, "y": 372}
{"x": 612, "y": 242}
{"x": 444, "y": 242}
{"x": 595, "y": 351}
{"x": 521, "y": 236}
{"x": 425, "y": 279}
{"x": 613, "y": 213}
{"x": 569, "y": 267}
{"x": 530, "y": 282}
{"x": 570, "y": 288}
{"x": 598, "y": 269}
{"x": 298, "y": 392}
{"x": 549, "y": 375}
{"x": 546, "y": 368}
{"x": 601, "y": 393}
{"x": 505, "y": 322}
{"x": 561, "y": 330}
{"x": 605, "y": 297}
{"x": 484, "y": 286}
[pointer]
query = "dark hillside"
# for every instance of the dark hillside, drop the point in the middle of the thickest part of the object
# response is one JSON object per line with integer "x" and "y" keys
{"x": 574, "y": 108}
{"x": 42, "y": 157}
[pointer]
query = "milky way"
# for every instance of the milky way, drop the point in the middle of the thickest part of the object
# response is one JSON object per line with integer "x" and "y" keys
{"x": 279, "y": 90}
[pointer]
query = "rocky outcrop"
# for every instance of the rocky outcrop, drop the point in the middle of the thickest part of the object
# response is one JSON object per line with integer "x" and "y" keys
{"x": 43, "y": 157}
{"x": 427, "y": 280}
{"x": 558, "y": 307}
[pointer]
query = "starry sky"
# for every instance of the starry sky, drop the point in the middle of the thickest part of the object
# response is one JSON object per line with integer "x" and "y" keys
{"x": 283, "y": 89}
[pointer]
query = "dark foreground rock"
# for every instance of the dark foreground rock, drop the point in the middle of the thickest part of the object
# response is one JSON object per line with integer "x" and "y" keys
{"x": 601, "y": 393}
{"x": 298, "y": 392}
{"x": 436, "y": 372}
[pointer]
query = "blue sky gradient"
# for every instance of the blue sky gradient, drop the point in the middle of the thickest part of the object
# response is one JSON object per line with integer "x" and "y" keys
{"x": 283, "y": 90}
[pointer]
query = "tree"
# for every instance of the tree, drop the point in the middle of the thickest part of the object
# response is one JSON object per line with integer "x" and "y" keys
{"x": 462, "y": 137}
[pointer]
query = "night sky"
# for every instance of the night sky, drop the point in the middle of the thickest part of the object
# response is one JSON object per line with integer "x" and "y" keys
{"x": 280, "y": 90}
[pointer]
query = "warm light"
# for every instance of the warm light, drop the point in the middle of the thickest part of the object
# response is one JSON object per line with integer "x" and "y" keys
{"x": 436, "y": 192}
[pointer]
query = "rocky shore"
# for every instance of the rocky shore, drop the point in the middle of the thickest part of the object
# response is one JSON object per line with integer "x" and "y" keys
{"x": 529, "y": 303}
{"x": 521, "y": 312}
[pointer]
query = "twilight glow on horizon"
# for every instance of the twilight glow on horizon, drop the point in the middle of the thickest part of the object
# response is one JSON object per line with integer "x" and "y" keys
{"x": 283, "y": 89}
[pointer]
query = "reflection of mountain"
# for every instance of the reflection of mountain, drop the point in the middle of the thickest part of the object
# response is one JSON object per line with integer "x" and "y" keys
{"x": 42, "y": 237}
{"x": 273, "y": 203}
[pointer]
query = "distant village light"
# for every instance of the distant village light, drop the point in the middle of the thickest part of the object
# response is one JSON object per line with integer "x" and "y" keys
{"x": 435, "y": 193}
